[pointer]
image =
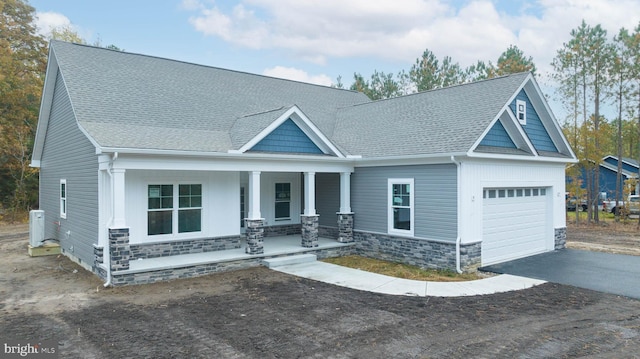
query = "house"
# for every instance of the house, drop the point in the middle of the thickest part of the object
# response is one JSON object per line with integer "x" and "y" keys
{"x": 153, "y": 169}
{"x": 608, "y": 174}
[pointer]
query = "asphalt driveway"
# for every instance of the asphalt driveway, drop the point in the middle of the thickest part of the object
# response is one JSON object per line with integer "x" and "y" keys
{"x": 604, "y": 272}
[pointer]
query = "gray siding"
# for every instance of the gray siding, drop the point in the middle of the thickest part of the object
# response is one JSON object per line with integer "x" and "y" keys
{"x": 435, "y": 196}
{"x": 68, "y": 154}
{"x": 328, "y": 198}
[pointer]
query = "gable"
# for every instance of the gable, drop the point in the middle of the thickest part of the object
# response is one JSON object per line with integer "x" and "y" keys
{"x": 533, "y": 127}
{"x": 626, "y": 166}
{"x": 498, "y": 137}
{"x": 287, "y": 138}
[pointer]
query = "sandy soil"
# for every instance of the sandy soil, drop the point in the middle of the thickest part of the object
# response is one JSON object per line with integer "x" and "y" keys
{"x": 260, "y": 313}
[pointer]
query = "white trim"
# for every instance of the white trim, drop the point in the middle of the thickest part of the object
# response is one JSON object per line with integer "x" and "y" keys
{"x": 521, "y": 104}
{"x": 304, "y": 123}
{"x": 309, "y": 193}
{"x": 175, "y": 210}
{"x": 345, "y": 192}
{"x": 63, "y": 198}
{"x": 390, "y": 206}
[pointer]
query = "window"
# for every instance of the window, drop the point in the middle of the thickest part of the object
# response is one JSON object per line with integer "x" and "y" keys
{"x": 521, "y": 112}
{"x": 190, "y": 208}
{"x": 162, "y": 210}
{"x": 63, "y": 198}
{"x": 283, "y": 201}
{"x": 401, "y": 206}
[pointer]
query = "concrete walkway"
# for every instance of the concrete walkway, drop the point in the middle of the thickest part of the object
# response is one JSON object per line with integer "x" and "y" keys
{"x": 306, "y": 266}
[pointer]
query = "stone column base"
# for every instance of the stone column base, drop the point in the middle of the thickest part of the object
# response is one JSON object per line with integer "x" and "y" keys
{"x": 119, "y": 249}
{"x": 345, "y": 227}
{"x": 309, "y": 231}
{"x": 560, "y": 237}
{"x": 255, "y": 235}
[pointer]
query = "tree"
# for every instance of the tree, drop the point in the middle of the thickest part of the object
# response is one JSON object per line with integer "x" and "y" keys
{"x": 513, "y": 61}
{"x": 22, "y": 67}
{"x": 479, "y": 71}
{"x": 66, "y": 33}
{"x": 381, "y": 86}
{"x": 428, "y": 73}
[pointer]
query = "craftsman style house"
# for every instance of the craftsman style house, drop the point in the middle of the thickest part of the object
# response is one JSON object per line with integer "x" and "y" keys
{"x": 153, "y": 169}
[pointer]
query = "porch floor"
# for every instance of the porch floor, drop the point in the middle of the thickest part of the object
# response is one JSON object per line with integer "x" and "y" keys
{"x": 273, "y": 247}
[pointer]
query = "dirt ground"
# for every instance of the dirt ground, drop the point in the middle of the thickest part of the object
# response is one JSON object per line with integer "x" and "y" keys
{"x": 259, "y": 313}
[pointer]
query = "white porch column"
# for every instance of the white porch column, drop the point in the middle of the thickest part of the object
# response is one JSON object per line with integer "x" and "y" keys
{"x": 345, "y": 192}
{"x": 119, "y": 220}
{"x": 309, "y": 193}
{"x": 254, "y": 195}
{"x": 345, "y": 216}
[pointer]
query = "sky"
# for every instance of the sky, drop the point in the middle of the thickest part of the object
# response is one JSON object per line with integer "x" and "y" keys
{"x": 318, "y": 40}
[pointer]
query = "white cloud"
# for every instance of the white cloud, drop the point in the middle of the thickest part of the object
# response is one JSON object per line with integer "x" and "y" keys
{"x": 47, "y": 21}
{"x": 291, "y": 73}
{"x": 317, "y": 31}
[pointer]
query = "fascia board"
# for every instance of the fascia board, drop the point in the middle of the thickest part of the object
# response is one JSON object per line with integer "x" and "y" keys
{"x": 45, "y": 107}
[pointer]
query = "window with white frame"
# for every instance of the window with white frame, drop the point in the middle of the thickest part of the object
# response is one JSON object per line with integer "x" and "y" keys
{"x": 166, "y": 216}
{"x": 63, "y": 198}
{"x": 521, "y": 111}
{"x": 401, "y": 207}
{"x": 283, "y": 201}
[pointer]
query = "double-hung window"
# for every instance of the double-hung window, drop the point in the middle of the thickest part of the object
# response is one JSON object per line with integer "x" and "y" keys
{"x": 283, "y": 201}
{"x": 168, "y": 216}
{"x": 63, "y": 198}
{"x": 401, "y": 206}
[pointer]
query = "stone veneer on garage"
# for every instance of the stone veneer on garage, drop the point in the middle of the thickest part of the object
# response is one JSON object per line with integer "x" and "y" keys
{"x": 419, "y": 252}
{"x": 560, "y": 238}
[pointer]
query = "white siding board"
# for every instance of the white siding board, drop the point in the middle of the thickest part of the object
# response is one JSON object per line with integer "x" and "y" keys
{"x": 220, "y": 198}
{"x": 479, "y": 174}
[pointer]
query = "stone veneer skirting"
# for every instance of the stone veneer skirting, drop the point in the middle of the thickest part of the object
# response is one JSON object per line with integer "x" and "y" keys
{"x": 282, "y": 230}
{"x": 419, "y": 252}
{"x": 188, "y": 246}
{"x": 560, "y": 238}
{"x": 203, "y": 269}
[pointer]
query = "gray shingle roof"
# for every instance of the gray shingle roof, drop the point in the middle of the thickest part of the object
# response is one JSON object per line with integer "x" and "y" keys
{"x": 442, "y": 121}
{"x": 126, "y": 100}
{"x": 137, "y": 101}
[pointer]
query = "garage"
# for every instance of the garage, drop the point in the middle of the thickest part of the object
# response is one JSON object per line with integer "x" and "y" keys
{"x": 516, "y": 223}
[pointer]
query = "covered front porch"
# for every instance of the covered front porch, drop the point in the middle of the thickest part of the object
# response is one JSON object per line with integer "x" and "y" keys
{"x": 237, "y": 215}
{"x": 149, "y": 270}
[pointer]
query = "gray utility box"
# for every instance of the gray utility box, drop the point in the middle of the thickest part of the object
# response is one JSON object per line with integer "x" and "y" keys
{"x": 36, "y": 228}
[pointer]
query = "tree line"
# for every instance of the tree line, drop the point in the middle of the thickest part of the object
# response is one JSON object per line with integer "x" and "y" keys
{"x": 590, "y": 70}
{"x": 23, "y": 57}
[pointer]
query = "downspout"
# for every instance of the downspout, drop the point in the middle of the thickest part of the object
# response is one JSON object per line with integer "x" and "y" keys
{"x": 107, "y": 248}
{"x": 458, "y": 197}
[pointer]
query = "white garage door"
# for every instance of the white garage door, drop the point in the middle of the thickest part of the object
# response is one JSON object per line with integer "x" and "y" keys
{"x": 515, "y": 223}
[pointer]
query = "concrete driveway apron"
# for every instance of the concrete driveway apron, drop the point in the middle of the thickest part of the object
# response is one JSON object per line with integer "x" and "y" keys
{"x": 604, "y": 272}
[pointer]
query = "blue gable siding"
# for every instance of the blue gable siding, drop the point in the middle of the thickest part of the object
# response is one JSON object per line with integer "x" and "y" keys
{"x": 625, "y": 166}
{"x": 498, "y": 137}
{"x": 288, "y": 137}
{"x": 534, "y": 128}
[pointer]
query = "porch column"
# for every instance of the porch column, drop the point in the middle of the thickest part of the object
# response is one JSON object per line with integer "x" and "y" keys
{"x": 309, "y": 218}
{"x": 254, "y": 224}
{"x": 119, "y": 252}
{"x": 119, "y": 220}
{"x": 345, "y": 216}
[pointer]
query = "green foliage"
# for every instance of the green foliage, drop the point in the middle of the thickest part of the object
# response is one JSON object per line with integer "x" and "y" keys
{"x": 22, "y": 67}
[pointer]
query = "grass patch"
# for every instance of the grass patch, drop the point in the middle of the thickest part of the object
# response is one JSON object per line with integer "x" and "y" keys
{"x": 400, "y": 270}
